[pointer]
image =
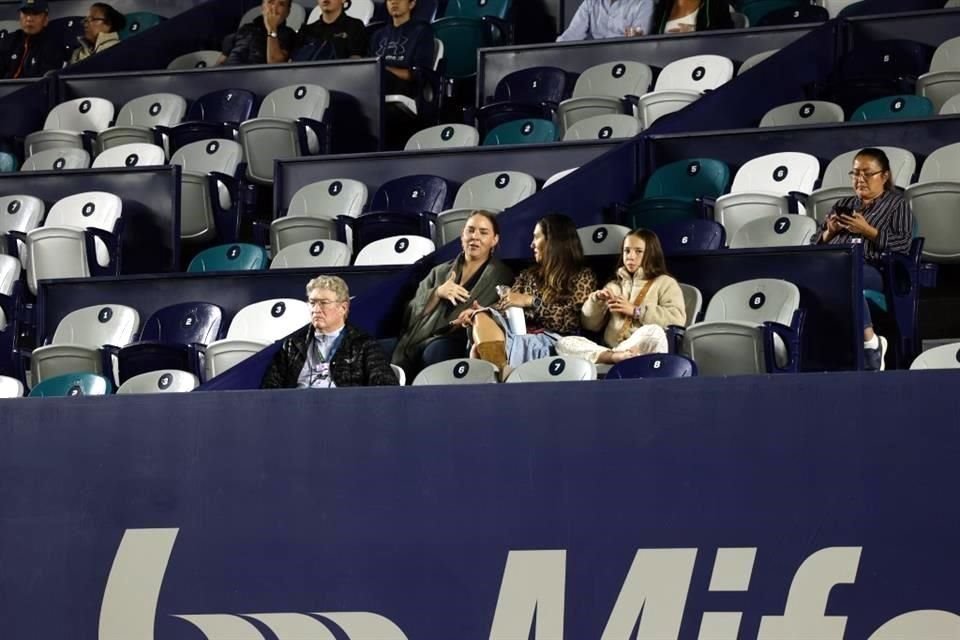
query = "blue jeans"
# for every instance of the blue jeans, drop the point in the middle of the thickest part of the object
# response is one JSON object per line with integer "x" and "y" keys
{"x": 872, "y": 279}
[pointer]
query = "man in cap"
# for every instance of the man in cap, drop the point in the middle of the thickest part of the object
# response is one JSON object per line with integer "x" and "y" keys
{"x": 31, "y": 51}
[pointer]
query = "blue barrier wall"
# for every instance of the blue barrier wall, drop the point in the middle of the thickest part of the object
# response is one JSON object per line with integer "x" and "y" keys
{"x": 293, "y": 501}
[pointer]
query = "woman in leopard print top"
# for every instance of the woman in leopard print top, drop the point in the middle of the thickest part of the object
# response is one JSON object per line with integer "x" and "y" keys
{"x": 551, "y": 294}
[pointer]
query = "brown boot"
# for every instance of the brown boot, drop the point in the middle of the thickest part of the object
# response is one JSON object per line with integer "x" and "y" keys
{"x": 494, "y": 352}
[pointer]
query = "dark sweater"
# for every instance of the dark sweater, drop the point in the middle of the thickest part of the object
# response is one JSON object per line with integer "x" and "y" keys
{"x": 713, "y": 14}
{"x": 346, "y": 35}
{"x": 38, "y": 54}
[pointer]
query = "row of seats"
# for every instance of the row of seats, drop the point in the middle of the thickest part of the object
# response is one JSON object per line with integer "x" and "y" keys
{"x": 67, "y": 29}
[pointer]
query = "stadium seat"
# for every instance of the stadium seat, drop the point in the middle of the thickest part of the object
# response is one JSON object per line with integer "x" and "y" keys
{"x": 893, "y": 108}
{"x": 254, "y": 327}
{"x": 775, "y": 231}
{"x": 942, "y": 81}
{"x": 951, "y": 106}
{"x": 79, "y": 238}
{"x": 678, "y": 191}
{"x": 692, "y": 302}
{"x": 298, "y": 15}
{"x": 680, "y": 83}
{"x": 313, "y": 211}
{"x": 794, "y": 15}
{"x": 462, "y": 38}
{"x": 836, "y": 7}
{"x": 836, "y": 184}
{"x": 935, "y": 200}
{"x": 65, "y": 30}
{"x": 208, "y": 189}
{"x": 9, "y": 277}
{"x": 559, "y": 175}
{"x": 139, "y": 21}
{"x": 493, "y": 14}
{"x": 444, "y": 136}
{"x": 946, "y": 356}
{"x": 71, "y": 125}
{"x": 217, "y": 114}
{"x": 428, "y": 81}
{"x": 461, "y": 371}
{"x": 173, "y": 337}
{"x": 8, "y": 27}
{"x": 755, "y": 59}
{"x": 554, "y": 369}
{"x": 400, "y": 373}
{"x": 362, "y": 10}
{"x": 653, "y": 365}
{"x": 163, "y": 381}
{"x": 749, "y": 327}
{"x": 394, "y": 251}
{"x": 10, "y": 388}
{"x": 84, "y": 341}
{"x": 762, "y": 186}
{"x": 876, "y": 70}
{"x": 602, "y": 239}
{"x": 493, "y": 192}
{"x": 139, "y": 116}
{"x": 135, "y": 154}
{"x": 756, "y": 10}
{"x": 289, "y": 124}
{"x": 530, "y": 131}
{"x": 679, "y": 236}
{"x": 605, "y": 89}
{"x": 312, "y": 253}
{"x": 534, "y": 92}
{"x": 801, "y": 113}
{"x": 607, "y": 127}
{"x": 19, "y": 214}
{"x": 57, "y": 160}
{"x": 195, "y": 60}
{"x": 72, "y": 384}
{"x": 229, "y": 257}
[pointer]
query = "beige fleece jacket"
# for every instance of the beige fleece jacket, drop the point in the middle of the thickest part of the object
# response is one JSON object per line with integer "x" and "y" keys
{"x": 662, "y": 306}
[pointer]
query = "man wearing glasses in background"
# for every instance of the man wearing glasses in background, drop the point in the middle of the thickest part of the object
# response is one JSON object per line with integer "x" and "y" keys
{"x": 31, "y": 51}
{"x": 328, "y": 352}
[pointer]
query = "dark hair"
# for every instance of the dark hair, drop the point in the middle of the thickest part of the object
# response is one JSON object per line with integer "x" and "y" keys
{"x": 492, "y": 218}
{"x": 654, "y": 265}
{"x": 114, "y": 18}
{"x": 562, "y": 255}
{"x": 882, "y": 160}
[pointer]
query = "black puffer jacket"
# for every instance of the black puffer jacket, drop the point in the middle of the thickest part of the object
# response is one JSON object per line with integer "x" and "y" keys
{"x": 249, "y": 44}
{"x": 714, "y": 14}
{"x": 358, "y": 362}
{"x": 44, "y": 52}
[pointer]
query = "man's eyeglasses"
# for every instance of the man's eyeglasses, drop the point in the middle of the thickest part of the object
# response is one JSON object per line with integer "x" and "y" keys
{"x": 89, "y": 20}
{"x": 864, "y": 174}
{"x": 323, "y": 303}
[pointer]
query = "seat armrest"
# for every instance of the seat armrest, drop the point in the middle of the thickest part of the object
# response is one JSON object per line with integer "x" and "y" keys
{"x": 12, "y": 238}
{"x": 227, "y": 219}
{"x": 707, "y": 207}
{"x": 795, "y": 199}
{"x": 320, "y": 129}
{"x": 112, "y": 240}
{"x": 675, "y": 334}
{"x": 107, "y": 353}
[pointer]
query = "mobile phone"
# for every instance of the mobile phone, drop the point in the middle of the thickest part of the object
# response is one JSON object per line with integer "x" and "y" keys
{"x": 842, "y": 211}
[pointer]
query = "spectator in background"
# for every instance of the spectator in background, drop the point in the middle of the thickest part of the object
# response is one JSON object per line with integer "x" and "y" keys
{"x": 31, "y": 51}
{"x": 343, "y": 36}
{"x": 100, "y": 29}
{"x": 683, "y": 16}
{"x": 328, "y": 352}
{"x": 265, "y": 40}
{"x": 632, "y": 309}
{"x": 551, "y": 294}
{"x": 403, "y": 44}
{"x": 597, "y": 19}
{"x": 450, "y": 288}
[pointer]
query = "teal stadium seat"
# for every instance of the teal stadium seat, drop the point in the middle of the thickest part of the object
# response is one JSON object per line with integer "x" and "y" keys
{"x": 229, "y": 257}
{"x": 138, "y": 22}
{"x": 675, "y": 192}
{"x": 530, "y": 131}
{"x": 893, "y": 108}
{"x": 72, "y": 384}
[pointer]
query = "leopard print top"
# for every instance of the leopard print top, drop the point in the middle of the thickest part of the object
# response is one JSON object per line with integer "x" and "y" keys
{"x": 562, "y": 315}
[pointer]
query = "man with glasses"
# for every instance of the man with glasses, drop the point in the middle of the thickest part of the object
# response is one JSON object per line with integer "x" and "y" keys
{"x": 31, "y": 51}
{"x": 328, "y": 352}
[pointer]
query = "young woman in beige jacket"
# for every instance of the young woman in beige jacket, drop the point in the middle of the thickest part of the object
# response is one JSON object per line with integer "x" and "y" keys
{"x": 635, "y": 306}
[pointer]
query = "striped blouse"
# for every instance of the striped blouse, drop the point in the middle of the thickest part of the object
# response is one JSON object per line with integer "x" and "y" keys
{"x": 889, "y": 214}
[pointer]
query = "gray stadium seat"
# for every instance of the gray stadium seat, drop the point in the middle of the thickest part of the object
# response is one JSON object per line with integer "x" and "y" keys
{"x": 9, "y": 275}
{"x": 731, "y": 339}
{"x": 462, "y": 371}
{"x": 444, "y": 136}
{"x": 600, "y": 90}
{"x": 935, "y": 199}
{"x": 946, "y": 356}
{"x": 199, "y": 160}
{"x": 313, "y": 211}
{"x": 58, "y": 249}
{"x": 135, "y": 154}
{"x": 661, "y": 103}
{"x": 162, "y": 381}
{"x": 755, "y": 59}
{"x": 559, "y": 175}
{"x": 79, "y": 339}
{"x": 195, "y": 60}
{"x": 19, "y": 214}
{"x": 950, "y": 107}
{"x": 775, "y": 231}
{"x": 67, "y": 122}
{"x": 493, "y": 192}
{"x": 554, "y": 369}
{"x": 10, "y": 387}
{"x": 834, "y": 7}
{"x": 604, "y": 127}
{"x": 136, "y": 119}
{"x": 57, "y": 160}
{"x": 692, "y": 302}
{"x": 836, "y": 183}
{"x": 394, "y": 250}
{"x": 312, "y": 253}
{"x": 289, "y": 124}
{"x": 942, "y": 82}
{"x": 803, "y": 112}
{"x": 602, "y": 239}
{"x": 681, "y": 82}
{"x": 761, "y": 186}
{"x": 254, "y": 327}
